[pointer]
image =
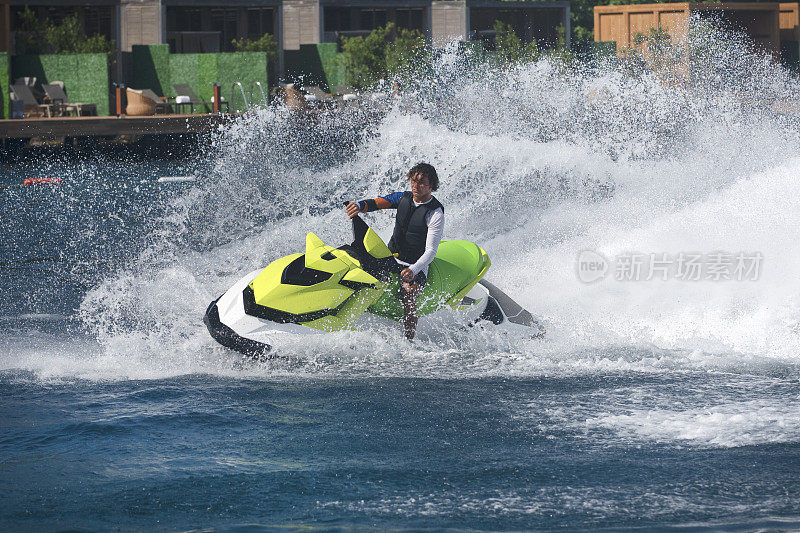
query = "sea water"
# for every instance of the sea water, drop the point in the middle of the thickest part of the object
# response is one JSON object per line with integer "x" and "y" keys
{"x": 661, "y": 396}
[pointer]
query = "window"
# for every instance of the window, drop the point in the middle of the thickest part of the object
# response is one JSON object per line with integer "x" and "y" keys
{"x": 93, "y": 19}
{"x": 259, "y": 22}
{"x": 97, "y": 20}
{"x": 372, "y": 18}
{"x": 337, "y": 18}
{"x": 224, "y": 21}
{"x": 184, "y": 19}
{"x": 410, "y": 19}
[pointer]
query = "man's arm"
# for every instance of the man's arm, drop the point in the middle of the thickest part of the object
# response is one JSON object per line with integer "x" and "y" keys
{"x": 389, "y": 201}
{"x": 435, "y": 232}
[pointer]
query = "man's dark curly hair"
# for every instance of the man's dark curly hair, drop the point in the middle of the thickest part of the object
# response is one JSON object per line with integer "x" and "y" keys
{"x": 427, "y": 171}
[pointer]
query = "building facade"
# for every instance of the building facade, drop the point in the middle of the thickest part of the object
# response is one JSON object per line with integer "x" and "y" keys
{"x": 763, "y": 22}
{"x": 441, "y": 21}
{"x": 208, "y": 26}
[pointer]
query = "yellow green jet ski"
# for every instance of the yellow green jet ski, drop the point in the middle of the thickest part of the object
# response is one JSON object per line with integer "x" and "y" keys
{"x": 330, "y": 289}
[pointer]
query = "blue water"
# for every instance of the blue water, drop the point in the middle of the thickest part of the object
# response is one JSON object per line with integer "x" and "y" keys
{"x": 205, "y": 452}
{"x": 649, "y": 404}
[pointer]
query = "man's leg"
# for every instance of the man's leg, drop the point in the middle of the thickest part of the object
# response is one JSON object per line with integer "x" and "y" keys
{"x": 408, "y": 296}
{"x": 410, "y": 316}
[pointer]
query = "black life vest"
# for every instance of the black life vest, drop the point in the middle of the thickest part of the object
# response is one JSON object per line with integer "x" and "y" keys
{"x": 410, "y": 229}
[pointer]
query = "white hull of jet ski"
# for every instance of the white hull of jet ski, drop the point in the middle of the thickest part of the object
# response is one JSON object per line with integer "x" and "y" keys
{"x": 261, "y": 338}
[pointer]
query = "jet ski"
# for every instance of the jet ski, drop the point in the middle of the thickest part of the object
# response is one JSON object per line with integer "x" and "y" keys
{"x": 355, "y": 286}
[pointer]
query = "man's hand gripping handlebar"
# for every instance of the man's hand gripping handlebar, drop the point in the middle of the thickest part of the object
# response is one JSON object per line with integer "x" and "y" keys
{"x": 352, "y": 209}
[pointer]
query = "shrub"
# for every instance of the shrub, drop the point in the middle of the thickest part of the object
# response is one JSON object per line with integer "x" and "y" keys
{"x": 364, "y": 58}
{"x": 265, "y": 44}
{"x": 509, "y": 48}
{"x": 654, "y": 51}
{"x": 67, "y": 37}
{"x": 561, "y": 54}
{"x": 407, "y": 55}
{"x": 385, "y": 53}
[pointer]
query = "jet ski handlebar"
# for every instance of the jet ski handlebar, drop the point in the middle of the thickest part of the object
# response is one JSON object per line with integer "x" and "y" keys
{"x": 381, "y": 268}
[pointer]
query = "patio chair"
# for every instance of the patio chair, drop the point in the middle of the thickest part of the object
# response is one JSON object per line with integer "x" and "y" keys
{"x": 183, "y": 89}
{"x": 32, "y": 107}
{"x": 139, "y": 105}
{"x": 55, "y": 93}
{"x": 162, "y": 106}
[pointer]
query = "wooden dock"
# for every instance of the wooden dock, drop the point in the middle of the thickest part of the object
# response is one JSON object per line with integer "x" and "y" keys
{"x": 49, "y": 128}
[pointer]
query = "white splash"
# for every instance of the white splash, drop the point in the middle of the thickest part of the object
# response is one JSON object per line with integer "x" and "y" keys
{"x": 536, "y": 164}
{"x": 726, "y": 425}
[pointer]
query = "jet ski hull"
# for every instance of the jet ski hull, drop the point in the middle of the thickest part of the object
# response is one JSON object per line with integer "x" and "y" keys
{"x": 255, "y": 337}
{"x": 227, "y": 337}
{"x": 356, "y": 286}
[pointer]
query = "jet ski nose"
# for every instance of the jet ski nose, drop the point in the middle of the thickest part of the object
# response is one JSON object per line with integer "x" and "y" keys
{"x": 229, "y": 338}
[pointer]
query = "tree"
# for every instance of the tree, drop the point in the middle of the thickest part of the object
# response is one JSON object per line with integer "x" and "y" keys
{"x": 364, "y": 58}
{"x": 509, "y": 48}
{"x": 265, "y": 44}
{"x": 29, "y": 38}
{"x": 407, "y": 55}
{"x": 66, "y": 37}
{"x": 385, "y": 53}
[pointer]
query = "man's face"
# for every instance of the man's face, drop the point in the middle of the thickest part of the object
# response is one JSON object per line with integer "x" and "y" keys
{"x": 420, "y": 187}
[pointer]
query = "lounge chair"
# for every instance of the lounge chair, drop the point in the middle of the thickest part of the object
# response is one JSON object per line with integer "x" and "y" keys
{"x": 139, "y": 105}
{"x": 318, "y": 94}
{"x": 31, "y": 107}
{"x": 183, "y": 89}
{"x": 346, "y": 96}
{"x": 342, "y": 90}
{"x": 30, "y": 81}
{"x": 162, "y": 106}
{"x": 55, "y": 93}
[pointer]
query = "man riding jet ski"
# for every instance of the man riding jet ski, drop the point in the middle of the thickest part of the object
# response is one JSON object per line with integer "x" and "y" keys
{"x": 418, "y": 230}
{"x": 355, "y": 286}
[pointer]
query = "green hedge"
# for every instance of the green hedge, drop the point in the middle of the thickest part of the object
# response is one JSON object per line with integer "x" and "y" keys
{"x": 332, "y": 67}
{"x": 150, "y": 68}
{"x": 195, "y": 70}
{"x": 5, "y": 84}
{"x": 85, "y": 76}
{"x": 153, "y": 67}
{"x": 244, "y": 67}
{"x": 315, "y": 64}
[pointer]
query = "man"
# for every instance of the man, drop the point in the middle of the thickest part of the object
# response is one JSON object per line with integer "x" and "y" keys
{"x": 418, "y": 229}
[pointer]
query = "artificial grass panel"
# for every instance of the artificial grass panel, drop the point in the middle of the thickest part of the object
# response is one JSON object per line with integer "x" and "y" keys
{"x": 244, "y": 67}
{"x": 85, "y": 76}
{"x": 315, "y": 64}
{"x": 5, "y": 84}
{"x": 151, "y": 69}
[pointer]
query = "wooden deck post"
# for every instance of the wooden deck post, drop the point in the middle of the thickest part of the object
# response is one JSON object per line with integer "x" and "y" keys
{"x": 216, "y": 92}
{"x": 119, "y": 95}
